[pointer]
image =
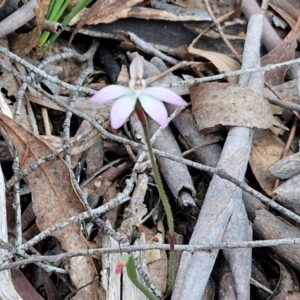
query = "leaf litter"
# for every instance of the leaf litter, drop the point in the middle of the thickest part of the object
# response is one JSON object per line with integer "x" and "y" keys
{"x": 100, "y": 167}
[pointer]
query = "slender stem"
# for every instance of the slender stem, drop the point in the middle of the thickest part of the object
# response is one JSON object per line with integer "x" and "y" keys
{"x": 162, "y": 194}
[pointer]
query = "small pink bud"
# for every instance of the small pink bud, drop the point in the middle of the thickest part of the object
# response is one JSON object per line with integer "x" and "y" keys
{"x": 121, "y": 263}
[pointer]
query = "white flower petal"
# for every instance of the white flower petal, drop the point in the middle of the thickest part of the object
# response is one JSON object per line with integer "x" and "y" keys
{"x": 110, "y": 92}
{"x": 121, "y": 110}
{"x": 136, "y": 69}
{"x": 165, "y": 95}
{"x": 155, "y": 109}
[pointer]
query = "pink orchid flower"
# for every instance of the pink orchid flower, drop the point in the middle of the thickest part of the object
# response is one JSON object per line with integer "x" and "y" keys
{"x": 126, "y": 98}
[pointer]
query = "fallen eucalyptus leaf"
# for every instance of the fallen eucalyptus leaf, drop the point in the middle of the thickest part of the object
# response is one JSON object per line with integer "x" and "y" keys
{"x": 54, "y": 200}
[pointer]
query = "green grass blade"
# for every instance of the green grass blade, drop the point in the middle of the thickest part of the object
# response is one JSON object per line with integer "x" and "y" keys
{"x": 55, "y": 9}
{"x": 50, "y": 9}
{"x": 62, "y": 9}
{"x": 82, "y": 4}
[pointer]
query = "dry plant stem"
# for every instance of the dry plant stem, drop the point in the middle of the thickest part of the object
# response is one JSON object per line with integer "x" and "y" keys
{"x": 17, "y": 201}
{"x": 89, "y": 91}
{"x": 29, "y": 169}
{"x": 21, "y": 92}
{"x": 230, "y": 47}
{"x": 221, "y": 198}
{"x": 66, "y": 125}
{"x": 290, "y": 138}
{"x": 150, "y": 49}
{"x": 7, "y": 290}
{"x": 31, "y": 117}
{"x": 48, "y": 268}
{"x": 163, "y": 197}
{"x": 151, "y": 80}
{"x": 118, "y": 200}
{"x": 259, "y": 285}
{"x": 284, "y": 104}
{"x": 73, "y": 96}
{"x": 46, "y": 121}
{"x": 131, "y": 249}
{"x": 18, "y": 18}
{"x": 280, "y": 100}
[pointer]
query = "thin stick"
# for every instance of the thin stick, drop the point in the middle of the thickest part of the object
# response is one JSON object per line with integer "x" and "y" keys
{"x": 216, "y": 22}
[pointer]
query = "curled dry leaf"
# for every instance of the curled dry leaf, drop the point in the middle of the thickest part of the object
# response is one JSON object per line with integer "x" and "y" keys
{"x": 266, "y": 150}
{"x": 54, "y": 200}
{"x": 287, "y": 282}
{"x": 221, "y": 61}
{"x": 23, "y": 286}
{"x": 226, "y": 104}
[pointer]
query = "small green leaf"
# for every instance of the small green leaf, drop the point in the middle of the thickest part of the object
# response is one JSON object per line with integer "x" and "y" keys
{"x": 131, "y": 272}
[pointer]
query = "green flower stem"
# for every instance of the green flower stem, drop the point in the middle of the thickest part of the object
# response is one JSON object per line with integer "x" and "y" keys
{"x": 162, "y": 194}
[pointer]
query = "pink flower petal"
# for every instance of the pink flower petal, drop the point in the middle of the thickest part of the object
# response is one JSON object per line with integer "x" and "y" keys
{"x": 110, "y": 92}
{"x": 165, "y": 95}
{"x": 136, "y": 68}
{"x": 120, "y": 267}
{"x": 121, "y": 110}
{"x": 155, "y": 109}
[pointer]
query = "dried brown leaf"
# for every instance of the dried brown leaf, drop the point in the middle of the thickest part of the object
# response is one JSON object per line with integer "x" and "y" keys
{"x": 54, "y": 200}
{"x": 103, "y": 10}
{"x": 23, "y": 286}
{"x": 222, "y": 62}
{"x": 266, "y": 150}
{"x": 283, "y": 52}
{"x": 228, "y": 104}
{"x": 284, "y": 15}
{"x": 286, "y": 8}
{"x": 110, "y": 12}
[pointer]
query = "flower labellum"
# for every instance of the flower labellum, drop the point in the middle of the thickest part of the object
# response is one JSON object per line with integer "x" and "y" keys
{"x": 125, "y": 98}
